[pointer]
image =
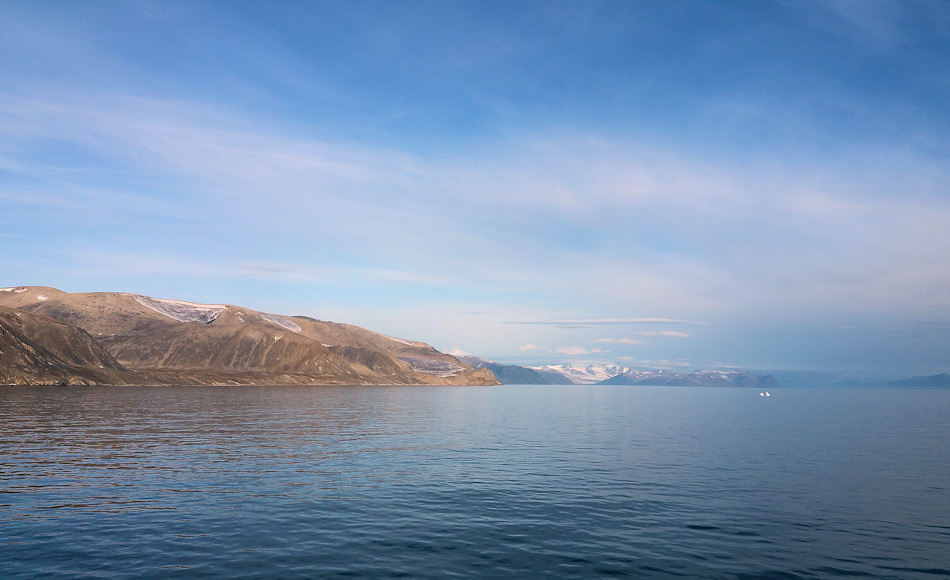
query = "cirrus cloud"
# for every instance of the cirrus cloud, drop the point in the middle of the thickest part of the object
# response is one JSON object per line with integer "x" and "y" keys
{"x": 589, "y": 322}
{"x": 577, "y": 350}
{"x": 620, "y": 340}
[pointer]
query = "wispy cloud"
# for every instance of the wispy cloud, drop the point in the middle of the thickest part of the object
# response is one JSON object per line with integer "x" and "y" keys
{"x": 591, "y": 322}
{"x": 656, "y": 364}
{"x": 274, "y": 271}
{"x": 665, "y": 334}
{"x": 619, "y": 340}
{"x": 708, "y": 244}
{"x": 571, "y": 350}
{"x": 877, "y": 23}
{"x": 646, "y": 333}
{"x": 577, "y": 350}
{"x": 252, "y": 165}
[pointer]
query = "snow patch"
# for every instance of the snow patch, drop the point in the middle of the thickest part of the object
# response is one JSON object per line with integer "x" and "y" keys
{"x": 42, "y": 298}
{"x": 282, "y": 322}
{"x": 180, "y": 310}
{"x": 431, "y": 367}
{"x": 585, "y": 375}
{"x": 14, "y": 289}
{"x": 400, "y": 340}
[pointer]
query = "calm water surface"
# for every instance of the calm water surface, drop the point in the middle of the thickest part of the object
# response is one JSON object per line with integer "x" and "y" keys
{"x": 432, "y": 482}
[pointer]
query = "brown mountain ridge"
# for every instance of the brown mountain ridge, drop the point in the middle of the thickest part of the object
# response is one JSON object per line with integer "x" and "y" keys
{"x": 48, "y": 336}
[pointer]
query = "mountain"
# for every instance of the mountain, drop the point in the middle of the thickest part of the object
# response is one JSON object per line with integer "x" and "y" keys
{"x": 694, "y": 379}
{"x": 587, "y": 375}
{"x": 517, "y": 375}
{"x": 941, "y": 381}
{"x": 37, "y": 350}
{"x": 618, "y": 375}
{"x": 185, "y": 342}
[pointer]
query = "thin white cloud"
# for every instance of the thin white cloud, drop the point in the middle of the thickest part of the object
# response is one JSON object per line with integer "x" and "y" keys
{"x": 296, "y": 189}
{"x": 664, "y": 333}
{"x": 874, "y": 22}
{"x": 527, "y": 347}
{"x": 647, "y": 333}
{"x": 276, "y": 271}
{"x": 578, "y": 350}
{"x": 572, "y": 350}
{"x": 587, "y": 322}
{"x": 709, "y": 242}
{"x": 657, "y": 363}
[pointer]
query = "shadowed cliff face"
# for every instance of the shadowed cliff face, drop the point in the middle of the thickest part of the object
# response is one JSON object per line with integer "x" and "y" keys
{"x": 176, "y": 341}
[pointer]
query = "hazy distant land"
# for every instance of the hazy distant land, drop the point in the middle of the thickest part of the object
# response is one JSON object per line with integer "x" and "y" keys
{"x": 941, "y": 381}
{"x": 50, "y": 337}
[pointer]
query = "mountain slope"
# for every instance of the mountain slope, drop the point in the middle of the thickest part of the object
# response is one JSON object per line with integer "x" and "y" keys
{"x": 585, "y": 375}
{"x": 219, "y": 343}
{"x": 37, "y": 350}
{"x": 517, "y": 375}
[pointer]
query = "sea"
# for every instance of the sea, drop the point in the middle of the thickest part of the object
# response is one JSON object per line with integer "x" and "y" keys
{"x": 473, "y": 482}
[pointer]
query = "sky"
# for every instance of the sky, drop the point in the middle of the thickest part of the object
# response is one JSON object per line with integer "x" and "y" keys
{"x": 680, "y": 185}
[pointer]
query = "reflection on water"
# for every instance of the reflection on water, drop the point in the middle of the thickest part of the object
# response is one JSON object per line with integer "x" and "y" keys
{"x": 487, "y": 481}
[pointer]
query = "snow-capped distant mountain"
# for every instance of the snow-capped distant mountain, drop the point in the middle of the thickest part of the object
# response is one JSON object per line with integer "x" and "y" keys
{"x": 699, "y": 378}
{"x": 515, "y": 374}
{"x": 585, "y": 375}
{"x": 619, "y": 375}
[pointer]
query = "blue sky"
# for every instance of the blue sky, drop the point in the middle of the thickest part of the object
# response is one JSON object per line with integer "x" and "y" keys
{"x": 658, "y": 184}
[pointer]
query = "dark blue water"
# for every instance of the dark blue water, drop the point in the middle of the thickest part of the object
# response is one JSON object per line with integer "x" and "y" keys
{"x": 432, "y": 482}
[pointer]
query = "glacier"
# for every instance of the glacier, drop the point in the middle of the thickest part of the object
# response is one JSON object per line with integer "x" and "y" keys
{"x": 180, "y": 310}
{"x": 282, "y": 322}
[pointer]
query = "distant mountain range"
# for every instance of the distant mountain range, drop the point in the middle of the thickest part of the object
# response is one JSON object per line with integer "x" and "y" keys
{"x": 518, "y": 375}
{"x": 52, "y": 337}
{"x": 698, "y": 378}
{"x": 619, "y": 375}
{"x": 941, "y": 381}
{"x": 585, "y": 375}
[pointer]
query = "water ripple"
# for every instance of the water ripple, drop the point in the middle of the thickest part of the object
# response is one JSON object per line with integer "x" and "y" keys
{"x": 428, "y": 482}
